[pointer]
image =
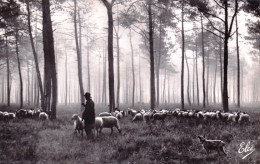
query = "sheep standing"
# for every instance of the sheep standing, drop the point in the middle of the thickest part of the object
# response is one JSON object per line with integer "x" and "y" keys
{"x": 105, "y": 114}
{"x": 43, "y": 116}
{"x": 159, "y": 116}
{"x": 106, "y": 122}
{"x": 243, "y": 118}
{"x": 212, "y": 144}
{"x": 138, "y": 117}
{"x": 78, "y": 124}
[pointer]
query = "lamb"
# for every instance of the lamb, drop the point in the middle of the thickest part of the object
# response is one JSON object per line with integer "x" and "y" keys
{"x": 105, "y": 114}
{"x": 212, "y": 144}
{"x": 106, "y": 122}
{"x": 78, "y": 124}
{"x": 138, "y": 117}
{"x": 243, "y": 118}
{"x": 1, "y": 115}
{"x": 43, "y": 116}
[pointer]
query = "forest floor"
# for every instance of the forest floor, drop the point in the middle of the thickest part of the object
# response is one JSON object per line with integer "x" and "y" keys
{"x": 175, "y": 141}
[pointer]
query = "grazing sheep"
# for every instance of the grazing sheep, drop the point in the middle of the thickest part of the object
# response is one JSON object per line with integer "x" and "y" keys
{"x": 138, "y": 117}
{"x": 119, "y": 115}
{"x": 105, "y": 114}
{"x": 233, "y": 117}
{"x": 158, "y": 116}
{"x": 30, "y": 113}
{"x": 147, "y": 116}
{"x": 1, "y": 116}
{"x": 243, "y": 118}
{"x": 43, "y": 116}
{"x": 21, "y": 113}
{"x": 78, "y": 124}
{"x": 132, "y": 112}
{"x": 11, "y": 116}
{"x": 106, "y": 122}
{"x": 212, "y": 144}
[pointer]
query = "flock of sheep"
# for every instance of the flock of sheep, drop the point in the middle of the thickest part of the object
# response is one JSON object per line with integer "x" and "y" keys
{"x": 24, "y": 113}
{"x": 110, "y": 120}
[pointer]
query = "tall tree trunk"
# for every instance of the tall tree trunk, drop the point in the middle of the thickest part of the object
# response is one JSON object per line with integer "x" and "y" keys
{"x": 221, "y": 69}
{"x": 207, "y": 92}
{"x": 238, "y": 67}
{"x": 158, "y": 65}
{"x": 133, "y": 70}
{"x": 79, "y": 57}
{"x": 193, "y": 80}
{"x": 19, "y": 69}
{"x": 109, "y": 7}
{"x": 118, "y": 71}
{"x": 49, "y": 57}
{"x": 66, "y": 76}
{"x": 88, "y": 61}
{"x": 164, "y": 83}
{"x": 182, "y": 58}
{"x": 203, "y": 62}
{"x": 140, "y": 80}
{"x": 188, "y": 83}
{"x": 152, "y": 82}
{"x": 215, "y": 79}
{"x": 197, "y": 78}
{"x": 28, "y": 80}
{"x": 35, "y": 55}
{"x": 8, "y": 72}
{"x": 104, "y": 95}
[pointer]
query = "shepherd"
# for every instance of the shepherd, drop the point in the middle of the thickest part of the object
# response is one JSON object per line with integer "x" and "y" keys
{"x": 89, "y": 115}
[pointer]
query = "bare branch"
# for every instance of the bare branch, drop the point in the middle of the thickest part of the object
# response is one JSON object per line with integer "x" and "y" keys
{"x": 233, "y": 17}
{"x": 213, "y": 26}
{"x": 214, "y": 33}
{"x": 219, "y": 4}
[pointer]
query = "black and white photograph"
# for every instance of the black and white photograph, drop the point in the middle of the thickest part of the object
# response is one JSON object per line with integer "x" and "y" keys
{"x": 130, "y": 81}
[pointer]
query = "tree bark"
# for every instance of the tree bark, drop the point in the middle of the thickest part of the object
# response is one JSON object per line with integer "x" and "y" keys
{"x": 133, "y": 70}
{"x": 238, "y": 67}
{"x": 8, "y": 72}
{"x": 49, "y": 57}
{"x": 19, "y": 69}
{"x": 188, "y": 83}
{"x": 79, "y": 57}
{"x": 182, "y": 58}
{"x": 152, "y": 82}
{"x": 203, "y": 62}
{"x": 197, "y": 78}
{"x": 35, "y": 55}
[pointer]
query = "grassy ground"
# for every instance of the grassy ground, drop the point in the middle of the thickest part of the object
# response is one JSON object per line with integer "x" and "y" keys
{"x": 175, "y": 141}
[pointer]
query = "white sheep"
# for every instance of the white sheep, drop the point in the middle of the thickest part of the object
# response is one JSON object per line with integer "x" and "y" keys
{"x": 119, "y": 115}
{"x": 43, "y": 116}
{"x": 147, "y": 116}
{"x": 11, "y": 116}
{"x": 78, "y": 124}
{"x": 138, "y": 117}
{"x": 212, "y": 144}
{"x": 243, "y": 118}
{"x": 106, "y": 122}
{"x": 105, "y": 114}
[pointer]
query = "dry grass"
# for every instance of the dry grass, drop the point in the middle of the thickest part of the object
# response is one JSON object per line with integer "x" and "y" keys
{"x": 175, "y": 141}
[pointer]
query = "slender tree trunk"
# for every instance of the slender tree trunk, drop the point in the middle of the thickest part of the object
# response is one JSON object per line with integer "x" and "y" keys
{"x": 225, "y": 82}
{"x": 8, "y": 72}
{"x": 188, "y": 83}
{"x": 49, "y": 57}
{"x": 193, "y": 81}
{"x": 197, "y": 77}
{"x": 207, "y": 92}
{"x": 164, "y": 83}
{"x": 88, "y": 61}
{"x": 79, "y": 57}
{"x": 182, "y": 60}
{"x": 19, "y": 69}
{"x": 66, "y": 76}
{"x": 152, "y": 83}
{"x": 35, "y": 55}
{"x": 118, "y": 71}
{"x": 203, "y": 63}
{"x": 221, "y": 70}
{"x": 215, "y": 79}
{"x": 238, "y": 67}
{"x": 133, "y": 70}
{"x": 140, "y": 81}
